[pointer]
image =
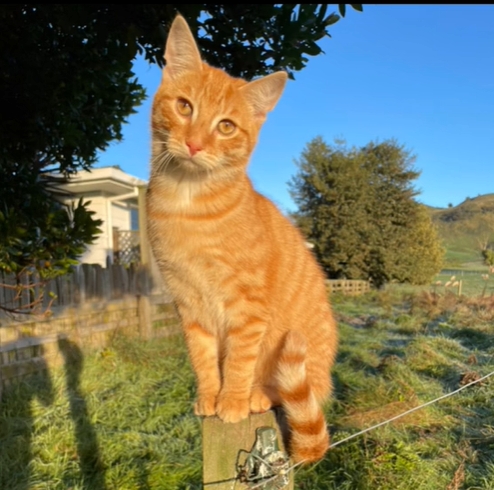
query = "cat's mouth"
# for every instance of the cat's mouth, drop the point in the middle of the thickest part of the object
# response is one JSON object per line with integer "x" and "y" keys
{"x": 191, "y": 166}
{"x": 191, "y": 163}
{"x": 172, "y": 158}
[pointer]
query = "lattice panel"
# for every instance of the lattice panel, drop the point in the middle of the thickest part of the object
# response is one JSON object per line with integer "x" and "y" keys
{"x": 127, "y": 249}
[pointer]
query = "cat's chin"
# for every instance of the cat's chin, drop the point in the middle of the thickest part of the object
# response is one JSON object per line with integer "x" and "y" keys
{"x": 190, "y": 165}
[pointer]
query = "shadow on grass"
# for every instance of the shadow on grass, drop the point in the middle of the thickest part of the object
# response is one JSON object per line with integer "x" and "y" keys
{"x": 91, "y": 465}
{"x": 473, "y": 338}
{"x": 17, "y": 427}
{"x": 17, "y": 423}
{"x": 353, "y": 360}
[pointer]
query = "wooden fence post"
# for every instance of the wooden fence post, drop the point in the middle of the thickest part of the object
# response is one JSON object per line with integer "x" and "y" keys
{"x": 225, "y": 446}
{"x": 144, "y": 311}
{"x": 143, "y": 303}
{"x": 143, "y": 235}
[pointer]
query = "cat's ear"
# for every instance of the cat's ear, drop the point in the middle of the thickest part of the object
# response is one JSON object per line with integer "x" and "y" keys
{"x": 263, "y": 94}
{"x": 181, "y": 52}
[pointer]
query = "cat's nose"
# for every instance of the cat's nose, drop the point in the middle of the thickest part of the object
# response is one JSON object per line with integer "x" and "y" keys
{"x": 193, "y": 147}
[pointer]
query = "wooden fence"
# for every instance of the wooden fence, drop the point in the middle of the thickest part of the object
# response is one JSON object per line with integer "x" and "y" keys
{"x": 85, "y": 283}
{"x": 88, "y": 307}
{"x": 350, "y": 287}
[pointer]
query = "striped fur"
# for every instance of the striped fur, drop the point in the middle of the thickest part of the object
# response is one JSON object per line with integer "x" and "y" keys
{"x": 309, "y": 435}
{"x": 250, "y": 295}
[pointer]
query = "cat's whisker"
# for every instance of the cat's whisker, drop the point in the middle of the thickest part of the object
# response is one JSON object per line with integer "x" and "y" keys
{"x": 162, "y": 131}
{"x": 157, "y": 161}
{"x": 162, "y": 160}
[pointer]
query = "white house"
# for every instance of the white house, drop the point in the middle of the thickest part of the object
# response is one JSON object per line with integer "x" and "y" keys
{"x": 115, "y": 198}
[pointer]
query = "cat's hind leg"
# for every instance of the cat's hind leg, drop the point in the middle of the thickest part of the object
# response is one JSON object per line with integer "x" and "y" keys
{"x": 263, "y": 398}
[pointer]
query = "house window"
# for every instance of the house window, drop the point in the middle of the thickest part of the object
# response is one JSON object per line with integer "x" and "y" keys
{"x": 134, "y": 219}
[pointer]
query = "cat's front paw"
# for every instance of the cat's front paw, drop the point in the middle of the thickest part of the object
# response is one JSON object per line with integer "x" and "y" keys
{"x": 205, "y": 405}
{"x": 232, "y": 410}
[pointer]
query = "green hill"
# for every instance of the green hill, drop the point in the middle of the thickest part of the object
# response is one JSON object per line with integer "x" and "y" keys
{"x": 465, "y": 229}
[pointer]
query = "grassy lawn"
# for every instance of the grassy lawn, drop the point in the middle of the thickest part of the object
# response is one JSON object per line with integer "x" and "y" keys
{"x": 122, "y": 418}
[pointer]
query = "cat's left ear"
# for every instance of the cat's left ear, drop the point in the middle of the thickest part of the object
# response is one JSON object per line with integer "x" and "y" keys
{"x": 181, "y": 52}
{"x": 264, "y": 93}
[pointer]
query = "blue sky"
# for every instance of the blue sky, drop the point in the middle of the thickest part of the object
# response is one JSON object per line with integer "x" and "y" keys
{"x": 421, "y": 74}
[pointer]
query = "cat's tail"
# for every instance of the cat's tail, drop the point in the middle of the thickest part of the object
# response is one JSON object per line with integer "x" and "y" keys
{"x": 309, "y": 438}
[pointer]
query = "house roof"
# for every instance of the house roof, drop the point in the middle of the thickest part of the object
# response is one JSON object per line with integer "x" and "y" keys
{"x": 109, "y": 180}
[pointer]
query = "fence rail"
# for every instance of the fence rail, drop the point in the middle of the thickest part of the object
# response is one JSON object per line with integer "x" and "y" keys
{"x": 347, "y": 286}
{"x": 27, "y": 293}
{"x": 461, "y": 272}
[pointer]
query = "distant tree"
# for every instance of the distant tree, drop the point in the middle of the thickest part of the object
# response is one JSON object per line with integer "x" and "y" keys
{"x": 67, "y": 86}
{"x": 424, "y": 253}
{"x": 484, "y": 231}
{"x": 357, "y": 206}
{"x": 330, "y": 193}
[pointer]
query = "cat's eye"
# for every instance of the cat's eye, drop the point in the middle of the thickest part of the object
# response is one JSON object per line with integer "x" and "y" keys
{"x": 226, "y": 127}
{"x": 184, "y": 107}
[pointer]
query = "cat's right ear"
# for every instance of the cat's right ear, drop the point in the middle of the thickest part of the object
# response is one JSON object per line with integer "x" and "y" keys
{"x": 263, "y": 93}
{"x": 181, "y": 52}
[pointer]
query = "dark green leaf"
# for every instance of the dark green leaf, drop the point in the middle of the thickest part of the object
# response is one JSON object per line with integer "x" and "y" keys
{"x": 332, "y": 19}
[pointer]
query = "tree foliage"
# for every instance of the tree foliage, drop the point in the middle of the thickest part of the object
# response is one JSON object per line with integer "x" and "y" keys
{"x": 67, "y": 86}
{"x": 357, "y": 206}
{"x": 39, "y": 229}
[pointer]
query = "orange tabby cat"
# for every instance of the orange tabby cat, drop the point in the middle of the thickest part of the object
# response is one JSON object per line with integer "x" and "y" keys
{"x": 251, "y": 297}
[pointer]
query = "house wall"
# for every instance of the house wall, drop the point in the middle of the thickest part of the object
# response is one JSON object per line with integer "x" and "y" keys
{"x": 114, "y": 215}
{"x": 97, "y": 252}
{"x": 104, "y": 193}
{"x": 120, "y": 216}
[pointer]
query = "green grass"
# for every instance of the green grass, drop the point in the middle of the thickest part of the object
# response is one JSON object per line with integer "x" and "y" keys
{"x": 459, "y": 259}
{"x": 122, "y": 418}
{"x": 472, "y": 284}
